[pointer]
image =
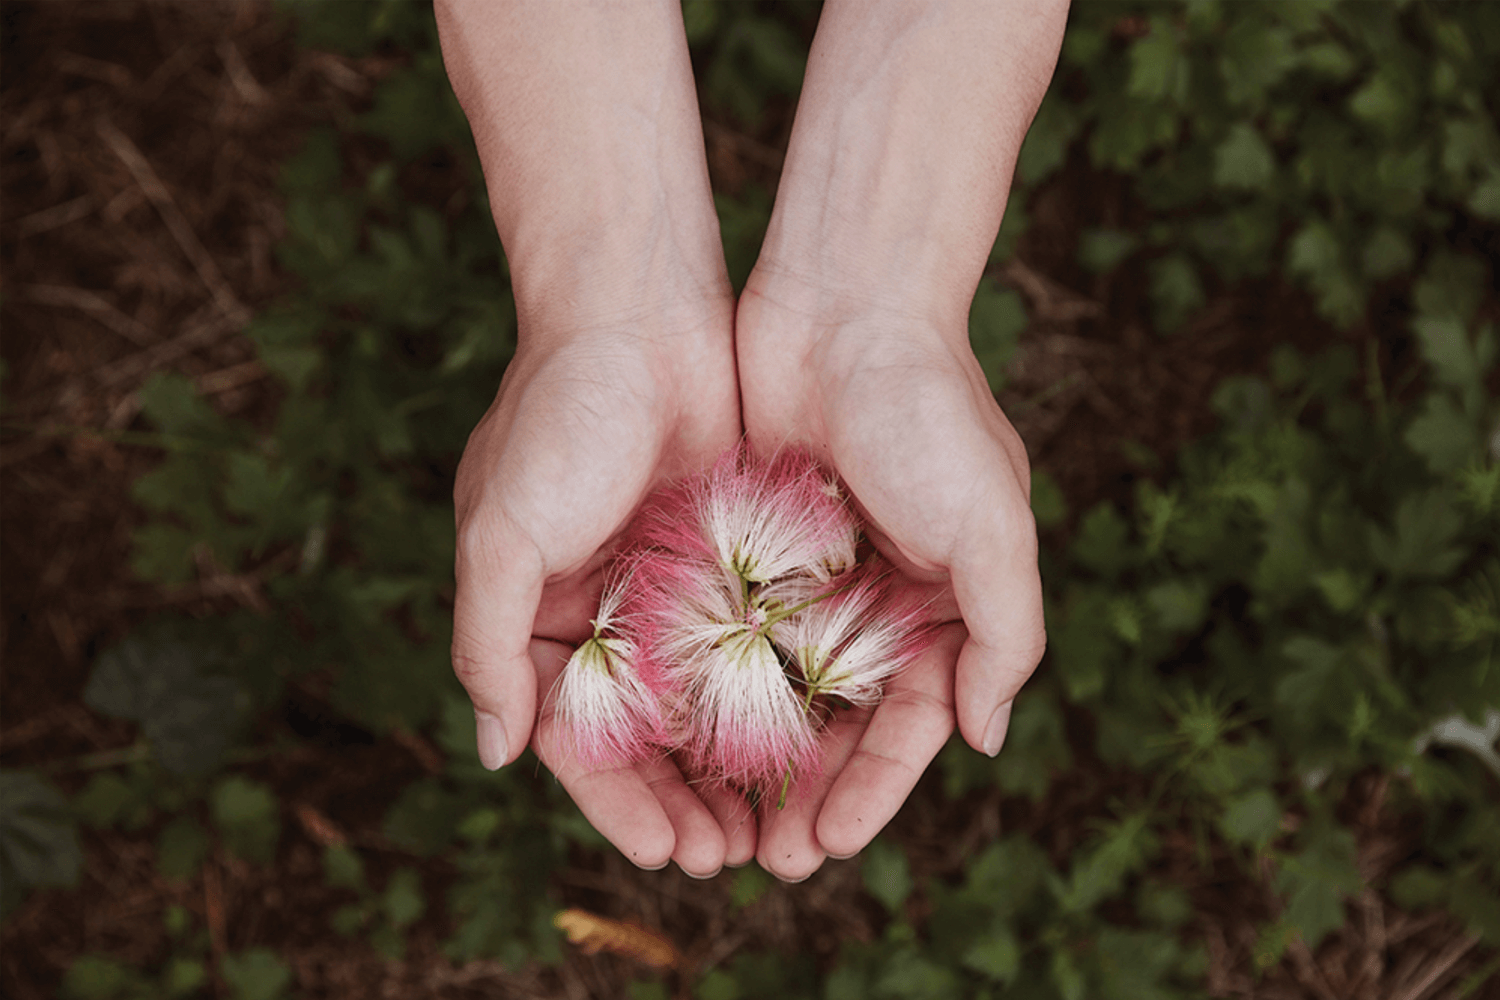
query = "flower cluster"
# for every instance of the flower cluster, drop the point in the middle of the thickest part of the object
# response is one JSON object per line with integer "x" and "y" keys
{"x": 735, "y": 617}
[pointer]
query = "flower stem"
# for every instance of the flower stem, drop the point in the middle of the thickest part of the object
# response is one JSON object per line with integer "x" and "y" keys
{"x": 772, "y": 617}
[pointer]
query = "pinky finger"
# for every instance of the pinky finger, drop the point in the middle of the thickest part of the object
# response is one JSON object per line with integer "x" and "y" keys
{"x": 906, "y": 732}
{"x": 617, "y": 801}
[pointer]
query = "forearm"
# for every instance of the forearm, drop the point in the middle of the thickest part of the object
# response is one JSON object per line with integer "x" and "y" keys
{"x": 587, "y": 126}
{"x": 911, "y": 118}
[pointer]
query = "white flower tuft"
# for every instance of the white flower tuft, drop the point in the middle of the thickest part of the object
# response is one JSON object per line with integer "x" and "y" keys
{"x": 748, "y": 726}
{"x": 766, "y": 521}
{"x": 849, "y": 645}
{"x": 611, "y": 717}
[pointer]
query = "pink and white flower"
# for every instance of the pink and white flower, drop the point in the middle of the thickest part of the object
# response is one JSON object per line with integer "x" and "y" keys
{"x": 747, "y": 726}
{"x": 850, "y": 644}
{"x": 607, "y": 708}
{"x": 774, "y": 519}
{"x": 744, "y": 608}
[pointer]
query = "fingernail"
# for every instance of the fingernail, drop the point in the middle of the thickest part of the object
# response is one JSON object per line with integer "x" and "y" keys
{"x": 702, "y": 878}
{"x": 994, "y": 733}
{"x": 842, "y": 857}
{"x": 489, "y": 735}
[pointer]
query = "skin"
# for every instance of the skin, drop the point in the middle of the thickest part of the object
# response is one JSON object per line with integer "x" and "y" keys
{"x": 635, "y": 366}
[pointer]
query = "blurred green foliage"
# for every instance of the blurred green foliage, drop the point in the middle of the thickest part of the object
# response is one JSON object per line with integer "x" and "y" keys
{"x": 1310, "y": 593}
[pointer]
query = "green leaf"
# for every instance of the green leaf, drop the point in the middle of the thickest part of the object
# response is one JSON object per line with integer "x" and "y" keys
{"x": 1176, "y": 291}
{"x": 1048, "y": 504}
{"x": 1006, "y": 876}
{"x": 1179, "y": 605}
{"x": 1253, "y": 818}
{"x": 1485, "y": 199}
{"x": 1083, "y": 645}
{"x": 414, "y": 111}
{"x": 1102, "y": 250}
{"x": 425, "y": 817}
{"x": 1067, "y": 977}
{"x": 910, "y": 976}
{"x": 97, "y": 977}
{"x": 1451, "y": 287}
{"x": 718, "y": 985}
{"x": 1446, "y": 347}
{"x": 1426, "y": 526}
{"x": 1418, "y": 887}
{"x": 343, "y": 868}
{"x": 1255, "y": 58}
{"x": 1383, "y": 102}
{"x": 750, "y": 884}
{"x": 1478, "y": 906}
{"x": 255, "y": 974}
{"x": 1047, "y": 141}
{"x": 1388, "y": 253}
{"x": 1343, "y": 590}
{"x": 886, "y": 875}
{"x": 1133, "y": 964}
{"x": 106, "y": 800}
{"x": 1300, "y": 691}
{"x": 700, "y": 18}
{"x": 996, "y": 955}
{"x": 184, "y": 977}
{"x": 180, "y": 848}
{"x": 189, "y": 713}
{"x": 1316, "y": 880}
{"x": 996, "y": 319}
{"x": 286, "y": 343}
{"x": 1100, "y": 872}
{"x": 1156, "y": 71}
{"x": 245, "y": 813}
{"x": 1316, "y": 254}
{"x": 404, "y": 902}
{"x": 1329, "y": 59}
{"x": 1103, "y": 541}
{"x": 1036, "y": 747}
{"x": 1165, "y": 905}
{"x": 1445, "y": 437}
{"x": 1243, "y": 161}
{"x": 38, "y": 841}
{"x": 173, "y": 403}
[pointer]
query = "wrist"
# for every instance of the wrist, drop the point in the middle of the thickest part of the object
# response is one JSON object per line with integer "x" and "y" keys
{"x": 620, "y": 278}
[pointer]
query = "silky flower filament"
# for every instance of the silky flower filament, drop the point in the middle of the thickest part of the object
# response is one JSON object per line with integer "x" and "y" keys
{"x": 735, "y": 606}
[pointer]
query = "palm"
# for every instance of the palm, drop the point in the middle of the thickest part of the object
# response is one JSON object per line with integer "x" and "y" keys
{"x": 573, "y": 444}
{"x": 932, "y": 465}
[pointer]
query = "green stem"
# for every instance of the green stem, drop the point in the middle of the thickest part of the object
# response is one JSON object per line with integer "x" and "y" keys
{"x": 772, "y": 617}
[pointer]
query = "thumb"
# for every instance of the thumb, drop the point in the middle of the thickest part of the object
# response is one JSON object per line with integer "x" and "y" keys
{"x": 999, "y": 592}
{"x": 499, "y": 576}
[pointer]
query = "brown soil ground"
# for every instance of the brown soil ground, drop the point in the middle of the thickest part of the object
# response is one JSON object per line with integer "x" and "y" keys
{"x": 139, "y": 154}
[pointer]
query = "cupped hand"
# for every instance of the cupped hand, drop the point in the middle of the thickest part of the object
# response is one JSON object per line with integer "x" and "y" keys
{"x": 900, "y": 409}
{"x": 587, "y": 422}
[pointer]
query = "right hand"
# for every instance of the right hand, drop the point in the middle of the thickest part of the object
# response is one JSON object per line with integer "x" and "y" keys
{"x": 588, "y": 420}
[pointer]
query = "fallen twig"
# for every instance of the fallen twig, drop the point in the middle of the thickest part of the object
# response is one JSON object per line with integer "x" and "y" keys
{"x": 177, "y": 223}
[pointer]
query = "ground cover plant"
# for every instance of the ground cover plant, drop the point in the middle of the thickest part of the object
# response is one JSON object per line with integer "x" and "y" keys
{"x": 1242, "y": 311}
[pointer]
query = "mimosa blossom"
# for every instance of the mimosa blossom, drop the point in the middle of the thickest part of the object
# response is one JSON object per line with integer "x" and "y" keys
{"x": 609, "y": 713}
{"x": 747, "y": 613}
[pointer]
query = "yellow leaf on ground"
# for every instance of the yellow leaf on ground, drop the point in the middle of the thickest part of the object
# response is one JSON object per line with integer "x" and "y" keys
{"x": 594, "y": 933}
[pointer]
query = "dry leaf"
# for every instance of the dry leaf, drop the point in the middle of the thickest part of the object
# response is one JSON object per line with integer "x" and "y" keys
{"x": 594, "y": 933}
{"x": 322, "y": 830}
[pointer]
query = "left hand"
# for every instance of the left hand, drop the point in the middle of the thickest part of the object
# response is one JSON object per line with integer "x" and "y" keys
{"x": 902, "y": 412}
